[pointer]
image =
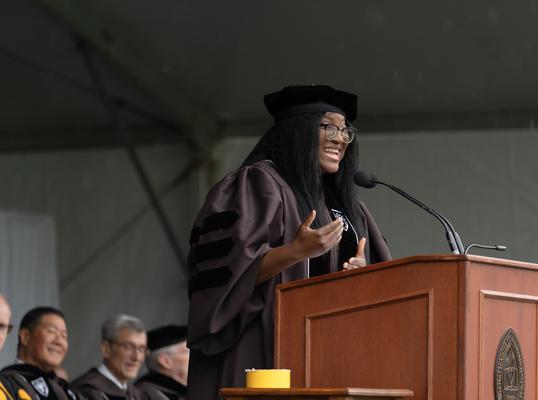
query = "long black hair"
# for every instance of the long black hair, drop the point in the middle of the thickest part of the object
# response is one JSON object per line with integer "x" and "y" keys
{"x": 292, "y": 144}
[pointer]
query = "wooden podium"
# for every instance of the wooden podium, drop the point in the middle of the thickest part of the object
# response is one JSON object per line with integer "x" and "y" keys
{"x": 431, "y": 324}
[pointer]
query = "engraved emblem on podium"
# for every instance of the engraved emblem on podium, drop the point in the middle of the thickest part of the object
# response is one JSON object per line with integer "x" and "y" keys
{"x": 509, "y": 379}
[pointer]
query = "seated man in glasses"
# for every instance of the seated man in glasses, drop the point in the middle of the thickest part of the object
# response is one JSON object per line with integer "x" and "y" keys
{"x": 5, "y": 328}
{"x": 123, "y": 348}
{"x": 5, "y": 320}
{"x": 167, "y": 362}
{"x": 41, "y": 349}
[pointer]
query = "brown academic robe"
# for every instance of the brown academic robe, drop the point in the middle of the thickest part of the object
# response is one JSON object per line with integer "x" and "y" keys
{"x": 231, "y": 318}
{"x": 93, "y": 385}
{"x": 156, "y": 386}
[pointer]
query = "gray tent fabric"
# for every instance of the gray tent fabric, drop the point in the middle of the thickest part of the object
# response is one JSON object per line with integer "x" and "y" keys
{"x": 28, "y": 272}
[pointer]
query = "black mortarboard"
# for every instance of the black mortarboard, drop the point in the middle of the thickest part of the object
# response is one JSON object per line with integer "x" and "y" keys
{"x": 302, "y": 99}
{"x": 166, "y": 336}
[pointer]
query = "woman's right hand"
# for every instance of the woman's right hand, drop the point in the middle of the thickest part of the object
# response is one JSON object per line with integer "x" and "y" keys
{"x": 310, "y": 243}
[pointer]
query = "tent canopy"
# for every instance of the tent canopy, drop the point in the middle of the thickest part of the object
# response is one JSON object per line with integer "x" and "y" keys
{"x": 179, "y": 68}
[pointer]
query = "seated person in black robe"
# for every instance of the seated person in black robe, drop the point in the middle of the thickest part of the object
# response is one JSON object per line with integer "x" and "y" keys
{"x": 167, "y": 362}
{"x": 123, "y": 348}
{"x": 41, "y": 349}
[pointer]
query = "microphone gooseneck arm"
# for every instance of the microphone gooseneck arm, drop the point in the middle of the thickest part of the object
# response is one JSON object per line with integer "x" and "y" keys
{"x": 452, "y": 236}
{"x": 498, "y": 247}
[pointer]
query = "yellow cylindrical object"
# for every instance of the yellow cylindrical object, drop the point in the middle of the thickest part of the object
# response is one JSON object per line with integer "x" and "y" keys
{"x": 268, "y": 378}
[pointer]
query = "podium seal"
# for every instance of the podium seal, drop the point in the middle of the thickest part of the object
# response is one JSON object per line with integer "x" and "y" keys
{"x": 509, "y": 379}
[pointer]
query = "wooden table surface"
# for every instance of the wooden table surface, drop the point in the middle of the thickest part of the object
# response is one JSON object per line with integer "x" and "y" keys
{"x": 315, "y": 394}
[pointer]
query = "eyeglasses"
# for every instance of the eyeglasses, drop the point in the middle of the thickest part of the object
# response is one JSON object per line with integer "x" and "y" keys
{"x": 131, "y": 347}
{"x": 53, "y": 330}
{"x": 6, "y": 328}
{"x": 331, "y": 131}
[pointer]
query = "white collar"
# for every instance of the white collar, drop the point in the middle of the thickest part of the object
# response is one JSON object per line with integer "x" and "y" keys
{"x": 109, "y": 375}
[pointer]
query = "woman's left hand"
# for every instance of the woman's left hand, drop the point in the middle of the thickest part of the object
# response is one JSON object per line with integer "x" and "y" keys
{"x": 359, "y": 260}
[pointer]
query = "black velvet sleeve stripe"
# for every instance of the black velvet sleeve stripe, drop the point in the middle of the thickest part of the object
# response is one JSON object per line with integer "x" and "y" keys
{"x": 195, "y": 235}
{"x": 209, "y": 279}
{"x": 221, "y": 220}
{"x": 211, "y": 250}
{"x": 213, "y": 222}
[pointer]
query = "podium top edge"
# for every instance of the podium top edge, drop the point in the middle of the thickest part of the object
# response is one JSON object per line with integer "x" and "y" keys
{"x": 417, "y": 259}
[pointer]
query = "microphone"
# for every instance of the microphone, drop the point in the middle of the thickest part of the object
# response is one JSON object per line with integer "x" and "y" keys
{"x": 498, "y": 247}
{"x": 366, "y": 180}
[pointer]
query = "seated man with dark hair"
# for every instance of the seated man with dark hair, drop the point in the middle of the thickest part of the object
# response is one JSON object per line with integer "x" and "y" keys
{"x": 41, "y": 349}
{"x": 167, "y": 362}
{"x": 123, "y": 347}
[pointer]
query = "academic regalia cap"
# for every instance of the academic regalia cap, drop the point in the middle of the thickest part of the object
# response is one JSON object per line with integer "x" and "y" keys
{"x": 166, "y": 336}
{"x": 302, "y": 99}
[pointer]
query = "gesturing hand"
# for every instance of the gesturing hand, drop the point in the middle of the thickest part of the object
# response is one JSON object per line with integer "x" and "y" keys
{"x": 359, "y": 260}
{"x": 310, "y": 243}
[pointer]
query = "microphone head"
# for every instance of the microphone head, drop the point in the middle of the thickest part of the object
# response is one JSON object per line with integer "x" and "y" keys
{"x": 364, "y": 179}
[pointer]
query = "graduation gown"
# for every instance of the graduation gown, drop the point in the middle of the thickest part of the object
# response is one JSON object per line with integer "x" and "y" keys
{"x": 8, "y": 392}
{"x": 249, "y": 212}
{"x": 156, "y": 386}
{"x": 37, "y": 384}
{"x": 93, "y": 385}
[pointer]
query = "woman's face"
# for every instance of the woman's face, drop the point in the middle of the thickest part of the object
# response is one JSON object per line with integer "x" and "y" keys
{"x": 331, "y": 152}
